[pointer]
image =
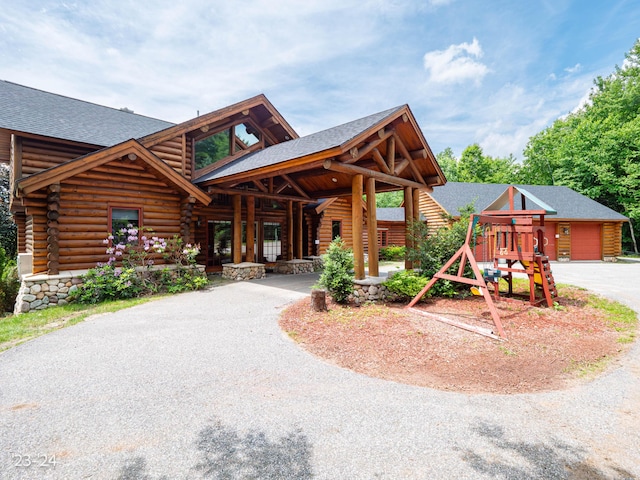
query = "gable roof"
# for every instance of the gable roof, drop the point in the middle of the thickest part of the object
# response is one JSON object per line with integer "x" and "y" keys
{"x": 332, "y": 138}
{"x": 568, "y": 203}
{"x": 29, "y": 110}
{"x": 503, "y": 201}
{"x": 56, "y": 174}
{"x": 257, "y": 108}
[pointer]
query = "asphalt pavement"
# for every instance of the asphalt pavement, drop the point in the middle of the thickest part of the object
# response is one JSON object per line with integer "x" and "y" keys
{"x": 205, "y": 385}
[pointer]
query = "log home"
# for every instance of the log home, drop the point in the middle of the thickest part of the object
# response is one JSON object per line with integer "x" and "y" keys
{"x": 239, "y": 180}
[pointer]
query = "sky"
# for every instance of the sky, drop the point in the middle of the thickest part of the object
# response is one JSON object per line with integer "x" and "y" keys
{"x": 492, "y": 72}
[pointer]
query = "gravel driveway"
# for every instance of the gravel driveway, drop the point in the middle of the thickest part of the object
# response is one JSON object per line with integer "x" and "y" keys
{"x": 205, "y": 385}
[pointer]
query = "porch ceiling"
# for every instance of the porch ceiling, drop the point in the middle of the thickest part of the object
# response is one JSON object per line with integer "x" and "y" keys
{"x": 388, "y": 146}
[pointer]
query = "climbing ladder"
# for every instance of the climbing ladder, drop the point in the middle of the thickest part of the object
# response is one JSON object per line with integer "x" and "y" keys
{"x": 547, "y": 282}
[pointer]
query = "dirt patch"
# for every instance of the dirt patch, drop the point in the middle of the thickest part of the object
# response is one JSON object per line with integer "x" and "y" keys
{"x": 547, "y": 348}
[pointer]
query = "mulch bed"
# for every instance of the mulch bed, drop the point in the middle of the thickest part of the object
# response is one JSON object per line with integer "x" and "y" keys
{"x": 546, "y": 348}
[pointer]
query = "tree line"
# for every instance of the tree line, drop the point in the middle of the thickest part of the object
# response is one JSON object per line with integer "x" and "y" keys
{"x": 594, "y": 150}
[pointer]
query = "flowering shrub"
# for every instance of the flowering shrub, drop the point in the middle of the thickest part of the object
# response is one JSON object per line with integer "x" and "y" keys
{"x": 128, "y": 271}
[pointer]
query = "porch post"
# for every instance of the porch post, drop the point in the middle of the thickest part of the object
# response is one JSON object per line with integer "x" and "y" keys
{"x": 299, "y": 218}
{"x": 408, "y": 220}
{"x": 53, "y": 231}
{"x": 290, "y": 230}
{"x": 237, "y": 229}
{"x": 372, "y": 227}
{"x": 356, "y": 227}
{"x": 251, "y": 219}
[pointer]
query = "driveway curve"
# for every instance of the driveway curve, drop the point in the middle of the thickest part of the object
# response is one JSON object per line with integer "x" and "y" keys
{"x": 205, "y": 385}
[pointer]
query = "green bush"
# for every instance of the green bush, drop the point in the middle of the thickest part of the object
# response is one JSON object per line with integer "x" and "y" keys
{"x": 406, "y": 284}
{"x": 9, "y": 283}
{"x": 107, "y": 282}
{"x": 136, "y": 277}
{"x": 337, "y": 275}
{"x": 432, "y": 251}
{"x": 392, "y": 253}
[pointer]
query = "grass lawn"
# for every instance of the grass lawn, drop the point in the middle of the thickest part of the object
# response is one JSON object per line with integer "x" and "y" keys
{"x": 17, "y": 329}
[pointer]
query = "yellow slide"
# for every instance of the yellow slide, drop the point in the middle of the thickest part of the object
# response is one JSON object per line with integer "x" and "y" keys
{"x": 537, "y": 277}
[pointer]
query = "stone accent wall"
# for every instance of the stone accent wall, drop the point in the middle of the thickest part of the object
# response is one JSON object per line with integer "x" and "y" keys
{"x": 318, "y": 263}
{"x": 294, "y": 267}
{"x": 371, "y": 290}
{"x": 38, "y": 292}
{"x": 243, "y": 271}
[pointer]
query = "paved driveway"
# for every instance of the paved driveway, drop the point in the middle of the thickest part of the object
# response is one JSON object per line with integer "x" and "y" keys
{"x": 205, "y": 385}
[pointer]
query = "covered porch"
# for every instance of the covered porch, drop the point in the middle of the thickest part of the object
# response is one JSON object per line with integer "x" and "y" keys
{"x": 263, "y": 207}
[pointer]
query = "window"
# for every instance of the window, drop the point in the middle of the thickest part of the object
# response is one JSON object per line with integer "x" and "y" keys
{"x": 121, "y": 218}
{"x": 336, "y": 229}
{"x": 382, "y": 238}
{"x": 272, "y": 243}
{"x": 212, "y": 149}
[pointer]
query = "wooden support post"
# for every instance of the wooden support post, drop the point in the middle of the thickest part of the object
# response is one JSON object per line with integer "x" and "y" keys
{"x": 53, "y": 230}
{"x": 251, "y": 223}
{"x": 299, "y": 218}
{"x": 372, "y": 227}
{"x": 391, "y": 154}
{"x": 186, "y": 213}
{"x": 237, "y": 229}
{"x": 356, "y": 227}
{"x": 289, "y": 230}
{"x": 408, "y": 221}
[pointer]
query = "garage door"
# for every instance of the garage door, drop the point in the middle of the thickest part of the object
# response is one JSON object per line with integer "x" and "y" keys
{"x": 586, "y": 241}
{"x": 550, "y": 248}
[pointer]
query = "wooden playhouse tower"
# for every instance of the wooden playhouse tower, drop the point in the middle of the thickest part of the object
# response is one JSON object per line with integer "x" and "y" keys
{"x": 512, "y": 242}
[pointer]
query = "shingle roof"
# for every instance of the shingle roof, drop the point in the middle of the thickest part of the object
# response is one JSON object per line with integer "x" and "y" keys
{"x": 29, "y": 110}
{"x": 568, "y": 203}
{"x": 300, "y": 147}
{"x": 390, "y": 214}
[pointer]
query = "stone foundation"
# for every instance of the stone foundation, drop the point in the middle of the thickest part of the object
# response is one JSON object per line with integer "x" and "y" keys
{"x": 41, "y": 291}
{"x": 318, "y": 263}
{"x": 243, "y": 271}
{"x": 294, "y": 267}
{"x": 371, "y": 290}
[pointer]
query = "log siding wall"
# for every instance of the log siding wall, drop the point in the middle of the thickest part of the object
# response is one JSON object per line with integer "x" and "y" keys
{"x": 38, "y": 155}
{"x": 611, "y": 239}
{"x": 5, "y": 146}
{"x": 84, "y": 205}
{"x": 432, "y": 212}
{"x": 176, "y": 153}
{"x": 340, "y": 210}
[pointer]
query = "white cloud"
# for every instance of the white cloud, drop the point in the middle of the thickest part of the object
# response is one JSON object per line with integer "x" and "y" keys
{"x": 576, "y": 68}
{"x": 456, "y": 64}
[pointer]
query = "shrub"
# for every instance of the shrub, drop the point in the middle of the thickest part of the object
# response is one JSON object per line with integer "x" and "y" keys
{"x": 135, "y": 276}
{"x": 432, "y": 251}
{"x": 107, "y": 282}
{"x": 406, "y": 284}
{"x": 9, "y": 283}
{"x": 337, "y": 275}
{"x": 392, "y": 253}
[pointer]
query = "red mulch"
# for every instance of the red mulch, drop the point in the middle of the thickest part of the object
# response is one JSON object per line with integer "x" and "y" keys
{"x": 545, "y": 348}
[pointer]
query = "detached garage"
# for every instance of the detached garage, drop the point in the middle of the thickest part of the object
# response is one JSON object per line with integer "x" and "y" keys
{"x": 583, "y": 229}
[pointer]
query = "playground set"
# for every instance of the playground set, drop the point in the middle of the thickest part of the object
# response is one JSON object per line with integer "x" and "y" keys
{"x": 512, "y": 242}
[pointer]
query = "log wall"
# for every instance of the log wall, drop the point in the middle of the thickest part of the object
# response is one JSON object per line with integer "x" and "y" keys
{"x": 176, "y": 153}
{"x": 432, "y": 211}
{"x": 5, "y": 146}
{"x": 38, "y": 155}
{"x": 611, "y": 239}
{"x": 84, "y": 208}
{"x": 338, "y": 210}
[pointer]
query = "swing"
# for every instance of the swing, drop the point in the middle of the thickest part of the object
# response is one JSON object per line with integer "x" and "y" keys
{"x": 492, "y": 275}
